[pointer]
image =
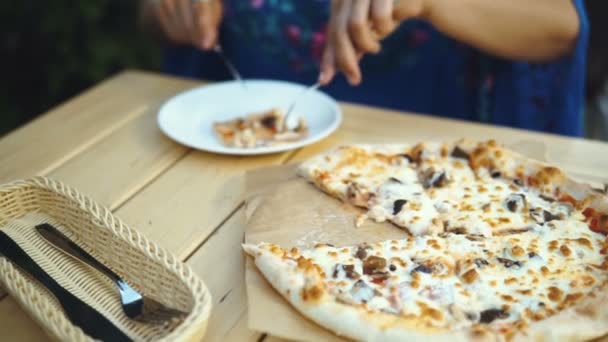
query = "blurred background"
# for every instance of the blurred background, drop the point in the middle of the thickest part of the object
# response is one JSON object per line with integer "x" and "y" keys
{"x": 52, "y": 50}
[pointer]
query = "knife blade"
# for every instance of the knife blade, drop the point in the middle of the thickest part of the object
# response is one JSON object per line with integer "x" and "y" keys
{"x": 79, "y": 313}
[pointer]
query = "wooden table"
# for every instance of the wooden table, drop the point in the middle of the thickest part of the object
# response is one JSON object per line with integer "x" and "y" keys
{"x": 105, "y": 142}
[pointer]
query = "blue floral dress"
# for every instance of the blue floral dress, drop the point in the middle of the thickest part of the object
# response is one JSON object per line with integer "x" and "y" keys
{"x": 418, "y": 69}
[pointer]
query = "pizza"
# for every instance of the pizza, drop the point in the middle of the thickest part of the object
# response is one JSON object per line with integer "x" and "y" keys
{"x": 259, "y": 129}
{"x": 495, "y": 247}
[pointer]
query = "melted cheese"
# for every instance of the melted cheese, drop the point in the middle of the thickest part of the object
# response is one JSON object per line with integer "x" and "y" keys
{"x": 450, "y": 281}
{"x": 488, "y": 247}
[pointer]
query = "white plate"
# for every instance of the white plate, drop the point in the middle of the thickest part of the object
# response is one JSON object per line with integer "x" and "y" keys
{"x": 188, "y": 117}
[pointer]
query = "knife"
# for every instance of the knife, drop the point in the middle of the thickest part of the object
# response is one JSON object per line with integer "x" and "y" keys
{"x": 80, "y": 313}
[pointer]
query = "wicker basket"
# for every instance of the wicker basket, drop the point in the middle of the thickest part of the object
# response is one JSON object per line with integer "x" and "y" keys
{"x": 146, "y": 267}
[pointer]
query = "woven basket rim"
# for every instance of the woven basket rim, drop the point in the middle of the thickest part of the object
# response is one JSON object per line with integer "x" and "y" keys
{"x": 201, "y": 310}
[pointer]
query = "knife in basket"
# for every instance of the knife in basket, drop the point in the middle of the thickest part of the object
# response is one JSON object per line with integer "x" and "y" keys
{"x": 80, "y": 314}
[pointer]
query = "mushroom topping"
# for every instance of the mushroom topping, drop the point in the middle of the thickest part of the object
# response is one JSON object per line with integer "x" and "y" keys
{"x": 549, "y": 216}
{"x": 515, "y": 202}
{"x": 508, "y": 263}
{"x": 431, "y": 178}
{"x": 373, "y": 264}
{"x": 547, "y": 198}
{"x": 398, "y": 205}
{"x": 361, "y": 292}
{"x": 346, "y": 270}
{"x": 458, "y": 152}
{"x": 480, "y": 263}
{"x": 490, "y": 315}
{"x": 541, "y": 216}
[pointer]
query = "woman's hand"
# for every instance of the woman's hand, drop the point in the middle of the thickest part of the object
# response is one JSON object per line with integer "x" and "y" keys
{"x": 356, "y": 28}
{"x": 187, "y": 21}
{"x": 535, "y": 31}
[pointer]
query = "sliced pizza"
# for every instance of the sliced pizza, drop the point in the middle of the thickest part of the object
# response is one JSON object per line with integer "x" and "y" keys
{"x": 430, "y": 188}
{"x": 501, "y": 247}
{"x": 452, "y": 287}
{"x": 259, "y": 129}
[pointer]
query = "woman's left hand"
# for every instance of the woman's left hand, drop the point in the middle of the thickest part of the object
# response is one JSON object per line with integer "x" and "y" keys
{"x": 356, "y": 28}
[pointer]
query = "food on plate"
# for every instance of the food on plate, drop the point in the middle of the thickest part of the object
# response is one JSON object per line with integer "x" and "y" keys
{"x": 259, "y": 129}
{"x": 496, "y": 247}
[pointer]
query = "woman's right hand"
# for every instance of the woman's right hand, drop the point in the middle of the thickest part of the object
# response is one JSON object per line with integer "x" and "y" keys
{"x": 186, "y": 21}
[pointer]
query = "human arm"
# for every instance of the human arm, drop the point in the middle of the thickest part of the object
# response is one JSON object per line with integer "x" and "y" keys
{"x": 536, "y": 31}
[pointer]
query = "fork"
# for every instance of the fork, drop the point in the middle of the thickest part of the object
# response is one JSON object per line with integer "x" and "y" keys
{"x": 135, "y": 305}
{"x": 289, "y": 112}
{"x": 229, "y": 65}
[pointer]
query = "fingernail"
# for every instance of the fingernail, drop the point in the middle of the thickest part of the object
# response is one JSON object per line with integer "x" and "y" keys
{"x": 322, "y": 77}
{"x": 207, "y": 42}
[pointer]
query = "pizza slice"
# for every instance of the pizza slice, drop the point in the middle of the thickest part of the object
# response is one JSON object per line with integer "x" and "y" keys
{"x": 466, "y": 187}
{"x": 258, "y": 129}
{"x": 451, "y": 287}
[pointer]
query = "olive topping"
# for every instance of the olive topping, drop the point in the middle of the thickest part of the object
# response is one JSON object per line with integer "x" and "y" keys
{"x": 457, "y": 152}
{"x": 398, "y": 205}
{"x": 512, "y": 205}
{"x": 509, "y": 263}
{"x": 393, "y": 179}
{"x": 515, "y": 201}
{"x": 495, "y": 174}
{"x": 361, "y": 253}
{"x": 549, "y": 216}
{"x": 392, "y": 268}
{"x": 532, "y": 255}
{"x": 490, "y": 315}
{"x": 518, "y": 182}
{"x": 423, "y": 269}
{"x": 373, "y": 264}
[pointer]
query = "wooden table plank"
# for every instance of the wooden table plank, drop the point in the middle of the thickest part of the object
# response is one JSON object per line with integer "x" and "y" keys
{"x": 220, "y": 261}
{"x": 241, "y": 332}
{"x": 17, "y": 325}
{"x": 65, "y": 131}
{"x": 122, "y": 163}
{"x": 183, "y": 206}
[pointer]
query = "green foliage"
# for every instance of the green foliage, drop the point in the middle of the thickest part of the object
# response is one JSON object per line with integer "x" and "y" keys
{"x": 51, "y": 50}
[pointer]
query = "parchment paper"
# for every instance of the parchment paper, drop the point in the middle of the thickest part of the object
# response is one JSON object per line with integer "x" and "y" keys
{"x": 283, "y": 208}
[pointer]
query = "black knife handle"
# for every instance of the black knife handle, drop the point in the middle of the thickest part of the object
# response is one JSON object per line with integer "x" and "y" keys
{"x": 80, "y": 313}
{"x": 62, "y": 242}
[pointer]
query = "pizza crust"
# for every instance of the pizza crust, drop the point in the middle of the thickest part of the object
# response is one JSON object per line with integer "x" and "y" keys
{"x": 344, "y": 320}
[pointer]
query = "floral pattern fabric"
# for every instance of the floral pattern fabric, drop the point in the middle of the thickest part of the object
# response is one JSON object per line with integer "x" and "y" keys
{"x": 418, "y": 69}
